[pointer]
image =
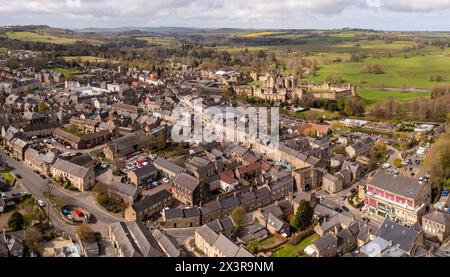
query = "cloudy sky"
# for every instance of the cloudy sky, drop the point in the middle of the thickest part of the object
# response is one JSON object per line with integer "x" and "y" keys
{"x": 299, "y": 14}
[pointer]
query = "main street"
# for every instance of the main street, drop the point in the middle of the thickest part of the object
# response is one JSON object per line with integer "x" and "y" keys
{"x": 37, "y": 186}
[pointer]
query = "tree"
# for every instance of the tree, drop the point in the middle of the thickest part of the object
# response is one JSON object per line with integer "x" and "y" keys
{"x": 397, "y": 162}
{"x": 238, "y": 216}
{"x": 378, "y": 152}
{"x": 161, "y": 141}
{"x": 85, "y": 232}
{"x": 16, "y": 221}
{"x": 303, "y": 217}
{"x": 437, "y": 159}
{"x": 42, "y": 107}
{"x": 32, "y": 238}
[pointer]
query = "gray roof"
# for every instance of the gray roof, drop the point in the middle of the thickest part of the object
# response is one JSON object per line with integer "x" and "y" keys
{"x": 375, "y": 247}
{"x": 82, "y": 159}
{"x": 168, "y": 244}
{"x": 207, "y": 234}
{"x": 169, "y": 166}
{"x": 150, "y": 168}
{"x": 191, "y": 212}
{"x": 151, "y": 200}
{"x": 397, "y": 234}
{"x": 71, "y": 168}
{"x": 239, "y": 150}
{"x": 186, "y": 181}
{"x": 262, "y": 192}
{"x": 135, "y": 240}
{"x": 275, "y": 222}
{"x": 326, "y": 241}
{"x": 211, "y": 207}
{"x": 126, "y": 189}
{"x": 247, "y": 197}
{"x": 174, "y": 213}
{"x": 226, "y": 246}
{"x": 229, "y": 202}
{"x": 439, "y": 217}
{"x": 400, "y": 185}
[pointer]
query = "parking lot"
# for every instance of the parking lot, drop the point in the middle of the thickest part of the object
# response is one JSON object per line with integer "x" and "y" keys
{"x": 137, "y": 160}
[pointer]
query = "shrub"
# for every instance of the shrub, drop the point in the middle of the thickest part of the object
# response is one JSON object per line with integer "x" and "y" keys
{"x": 16, "y": 221}
{"x": 372, "y": 69}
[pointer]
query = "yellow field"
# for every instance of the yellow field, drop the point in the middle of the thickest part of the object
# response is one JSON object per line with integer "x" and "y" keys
{"x": 259, "y": 34}
{"x": 40, "y": 37}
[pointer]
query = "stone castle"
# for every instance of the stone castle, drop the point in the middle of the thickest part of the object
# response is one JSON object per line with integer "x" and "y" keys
{"x": 280, "y": 89}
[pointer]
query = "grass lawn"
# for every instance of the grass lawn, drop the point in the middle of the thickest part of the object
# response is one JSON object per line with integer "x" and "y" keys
{"x": 267, "y": 243}
{"x": 8, "y": 177}
{"x": 372, "y": 97}
{"x": 288, "y": 250}
{"x": 40, "y": 37}
{"x": 68, "y": 72}
{"x": 399, "y": 72}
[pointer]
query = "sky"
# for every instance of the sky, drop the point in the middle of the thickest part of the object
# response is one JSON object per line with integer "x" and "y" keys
{"x": 401, "y": 15}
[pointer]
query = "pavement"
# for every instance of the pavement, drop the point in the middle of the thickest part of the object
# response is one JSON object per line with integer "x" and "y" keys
{"x": 35, "y": 185}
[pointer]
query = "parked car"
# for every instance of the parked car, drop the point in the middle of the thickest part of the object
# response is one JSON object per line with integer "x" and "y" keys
{"x": 339, "y": 210}
{"x": 353, "y": 190}
{"x": 365, "y": 219}
{"x": 165, "y": 180}
{"x": 343, "y": 197}
{"x": 18, "y": 176}
{"x": 345, "y": 208}
{"x": 41, "y": 203}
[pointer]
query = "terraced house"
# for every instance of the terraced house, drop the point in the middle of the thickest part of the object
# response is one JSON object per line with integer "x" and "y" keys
{"x": 81, "y": 177}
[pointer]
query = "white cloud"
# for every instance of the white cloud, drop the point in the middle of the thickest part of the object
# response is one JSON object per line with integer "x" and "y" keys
{"x": 207, "y": 13}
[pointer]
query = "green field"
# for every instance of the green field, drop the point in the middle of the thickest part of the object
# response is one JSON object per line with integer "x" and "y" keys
{"x": 40, "y": 37}
{"x": 158, "y": 40}
{"x": 398, "y": 72}
{"x": 90, "y": 59}
{"x": 288, "y": 250}
{"x": 68, "y": 72}
{"x": 372, "y": 97}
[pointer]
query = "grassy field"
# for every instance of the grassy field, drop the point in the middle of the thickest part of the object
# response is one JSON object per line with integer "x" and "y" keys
{"x": 68, "y": 72}
{"x": 267, "y": 243}
{"x": 398, "y": 71}
{"x": 90, "y": 59}
{"x": 372, "y": 97}
{"x": 40, "y": 37}
{"x": 158, "y": 40}
{"x": 288, "y": 250}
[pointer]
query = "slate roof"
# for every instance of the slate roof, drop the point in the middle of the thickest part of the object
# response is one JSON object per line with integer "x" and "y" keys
{"x": 186, "y": 181}
{"x": 135, "y": 240}
{"x": 168, "y": 165}
{"x": 439, "y": 217}
{"x": 71, "y": 168}
{"x": 151, "y": 200}
{"x": 397, "y": 234}
{"x": 326, "y": 241}
{"x": 400, "y": 185}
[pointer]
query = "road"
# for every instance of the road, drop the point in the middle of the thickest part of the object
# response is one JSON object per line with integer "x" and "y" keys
{"x": 35, "y": 185}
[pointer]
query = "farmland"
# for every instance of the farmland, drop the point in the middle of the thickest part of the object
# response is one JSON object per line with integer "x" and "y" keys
{"x": 40, "y": 37}
{"x": 158, "y": 40}
{"x": 411, "y": 72}
{"x": 372, "y": 97}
